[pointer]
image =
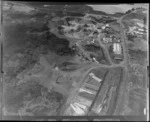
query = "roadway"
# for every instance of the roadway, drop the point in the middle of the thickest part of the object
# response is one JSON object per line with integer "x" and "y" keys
{"x": 124, "y": 64}
{"x": 93, "y": 65}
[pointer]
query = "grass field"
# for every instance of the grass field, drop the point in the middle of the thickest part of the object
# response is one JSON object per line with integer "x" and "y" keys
{"x": 138, "y": 15}
{"x": 138, "y": 56}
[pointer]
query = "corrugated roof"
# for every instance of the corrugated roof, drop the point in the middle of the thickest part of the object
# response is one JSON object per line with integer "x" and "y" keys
{"x": 117, "y": 48}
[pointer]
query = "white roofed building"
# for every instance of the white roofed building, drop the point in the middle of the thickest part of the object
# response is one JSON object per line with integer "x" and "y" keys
{"x": 107, "y": 40}
{"x": 117, "y": 48}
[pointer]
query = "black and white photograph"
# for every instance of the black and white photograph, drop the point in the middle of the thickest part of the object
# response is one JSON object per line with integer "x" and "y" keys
{"x": 74, "y": 61}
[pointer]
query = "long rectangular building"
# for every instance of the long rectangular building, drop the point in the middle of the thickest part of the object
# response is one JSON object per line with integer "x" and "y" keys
{"x": 117, "y": 49}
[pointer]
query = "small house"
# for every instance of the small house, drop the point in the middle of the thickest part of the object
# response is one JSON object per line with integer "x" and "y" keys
{"x": 107, "y": 40}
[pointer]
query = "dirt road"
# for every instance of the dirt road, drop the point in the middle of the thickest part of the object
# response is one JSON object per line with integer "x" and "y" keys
{"x": 122, "y": 90}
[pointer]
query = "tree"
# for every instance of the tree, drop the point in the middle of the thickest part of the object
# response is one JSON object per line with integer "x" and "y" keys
{"x": 129, "y": 11}
{"x": 133, "y": 9}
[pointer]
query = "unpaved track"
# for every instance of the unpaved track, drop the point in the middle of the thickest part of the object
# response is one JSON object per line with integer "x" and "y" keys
{"x": 124, "y": 64}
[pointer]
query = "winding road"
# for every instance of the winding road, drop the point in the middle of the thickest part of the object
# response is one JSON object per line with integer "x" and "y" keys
{"x": 124, "y": 64}
{"x": 93, "y": 65}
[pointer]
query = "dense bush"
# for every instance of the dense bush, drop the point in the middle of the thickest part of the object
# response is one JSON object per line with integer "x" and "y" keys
{"x": 65, "y": 51}
{"x": 92, "y": 48}
{"x": 68, "y": 66}
{"x": 59, "y": 46}
{"x": 131, "y": 37}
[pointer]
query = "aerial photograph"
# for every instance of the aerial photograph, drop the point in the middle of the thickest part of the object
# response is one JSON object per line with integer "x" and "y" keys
{"x": 74, "y": 61}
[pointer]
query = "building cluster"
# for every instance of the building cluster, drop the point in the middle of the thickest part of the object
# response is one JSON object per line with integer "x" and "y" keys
{"x": 114, "y": 42}
{"x": 85, "y": 30}
{"x": 107, "y": 36}
{"x": 136, "y": 30}
{"x": 83, "y": 100}
{"x": 80, "y": 30}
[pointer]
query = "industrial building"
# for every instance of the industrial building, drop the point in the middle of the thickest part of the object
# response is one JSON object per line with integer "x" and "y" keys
{"x": 117, "y": 48}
